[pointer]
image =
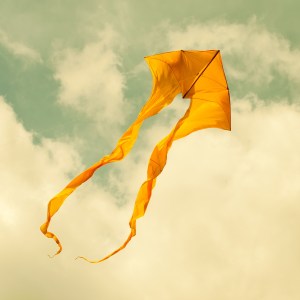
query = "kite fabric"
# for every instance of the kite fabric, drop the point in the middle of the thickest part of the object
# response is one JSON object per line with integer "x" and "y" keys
{"x": 198, "y": 76}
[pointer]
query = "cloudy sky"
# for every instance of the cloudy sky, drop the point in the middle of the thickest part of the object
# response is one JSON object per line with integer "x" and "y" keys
{"x": 223, "y": 222}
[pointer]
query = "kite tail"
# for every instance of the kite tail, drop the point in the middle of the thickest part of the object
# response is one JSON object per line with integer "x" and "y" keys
{"x": 156, "y": 165}
{"x": 153, "y": 106}
{"x": 158, "y": 158}
{"x": 111, "y": 254}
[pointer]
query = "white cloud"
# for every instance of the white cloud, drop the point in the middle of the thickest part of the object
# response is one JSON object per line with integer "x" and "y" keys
{"x": 252, "y": 52}
{"x": 222, "y": 223}
{"x": 24, "y": 165}
{"x": 224, "y": 216}
{"x": 18, "y": 49}
{"x": 91, "y": 81}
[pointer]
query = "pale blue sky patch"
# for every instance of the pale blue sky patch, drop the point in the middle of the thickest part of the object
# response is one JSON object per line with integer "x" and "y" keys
{"x": 18, "y": 49}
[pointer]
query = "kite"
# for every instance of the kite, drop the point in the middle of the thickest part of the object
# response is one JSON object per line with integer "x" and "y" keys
{"x": 198, "y": 76}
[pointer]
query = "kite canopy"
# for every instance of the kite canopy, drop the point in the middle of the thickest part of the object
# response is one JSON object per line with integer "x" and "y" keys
{"x": 197, "y": 75}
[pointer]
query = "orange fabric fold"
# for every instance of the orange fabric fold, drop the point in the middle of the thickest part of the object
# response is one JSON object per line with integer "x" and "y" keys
{"x": 197, "y": 75}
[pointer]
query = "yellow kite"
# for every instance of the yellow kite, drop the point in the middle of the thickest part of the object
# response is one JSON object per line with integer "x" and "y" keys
{"x": 198, "y": 76}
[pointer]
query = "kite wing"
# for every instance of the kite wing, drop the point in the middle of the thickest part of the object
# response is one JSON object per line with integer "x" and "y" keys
{"x": 197, "y": 75}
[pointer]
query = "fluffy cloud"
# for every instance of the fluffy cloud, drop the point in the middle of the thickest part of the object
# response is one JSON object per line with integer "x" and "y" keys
{"x": 18, "y": 49}
{"x": 90, "y": 80}
{"x": 223, "y": 221}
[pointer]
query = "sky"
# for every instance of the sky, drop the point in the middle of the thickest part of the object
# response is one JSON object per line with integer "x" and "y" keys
{"x": 223, "y": 222}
